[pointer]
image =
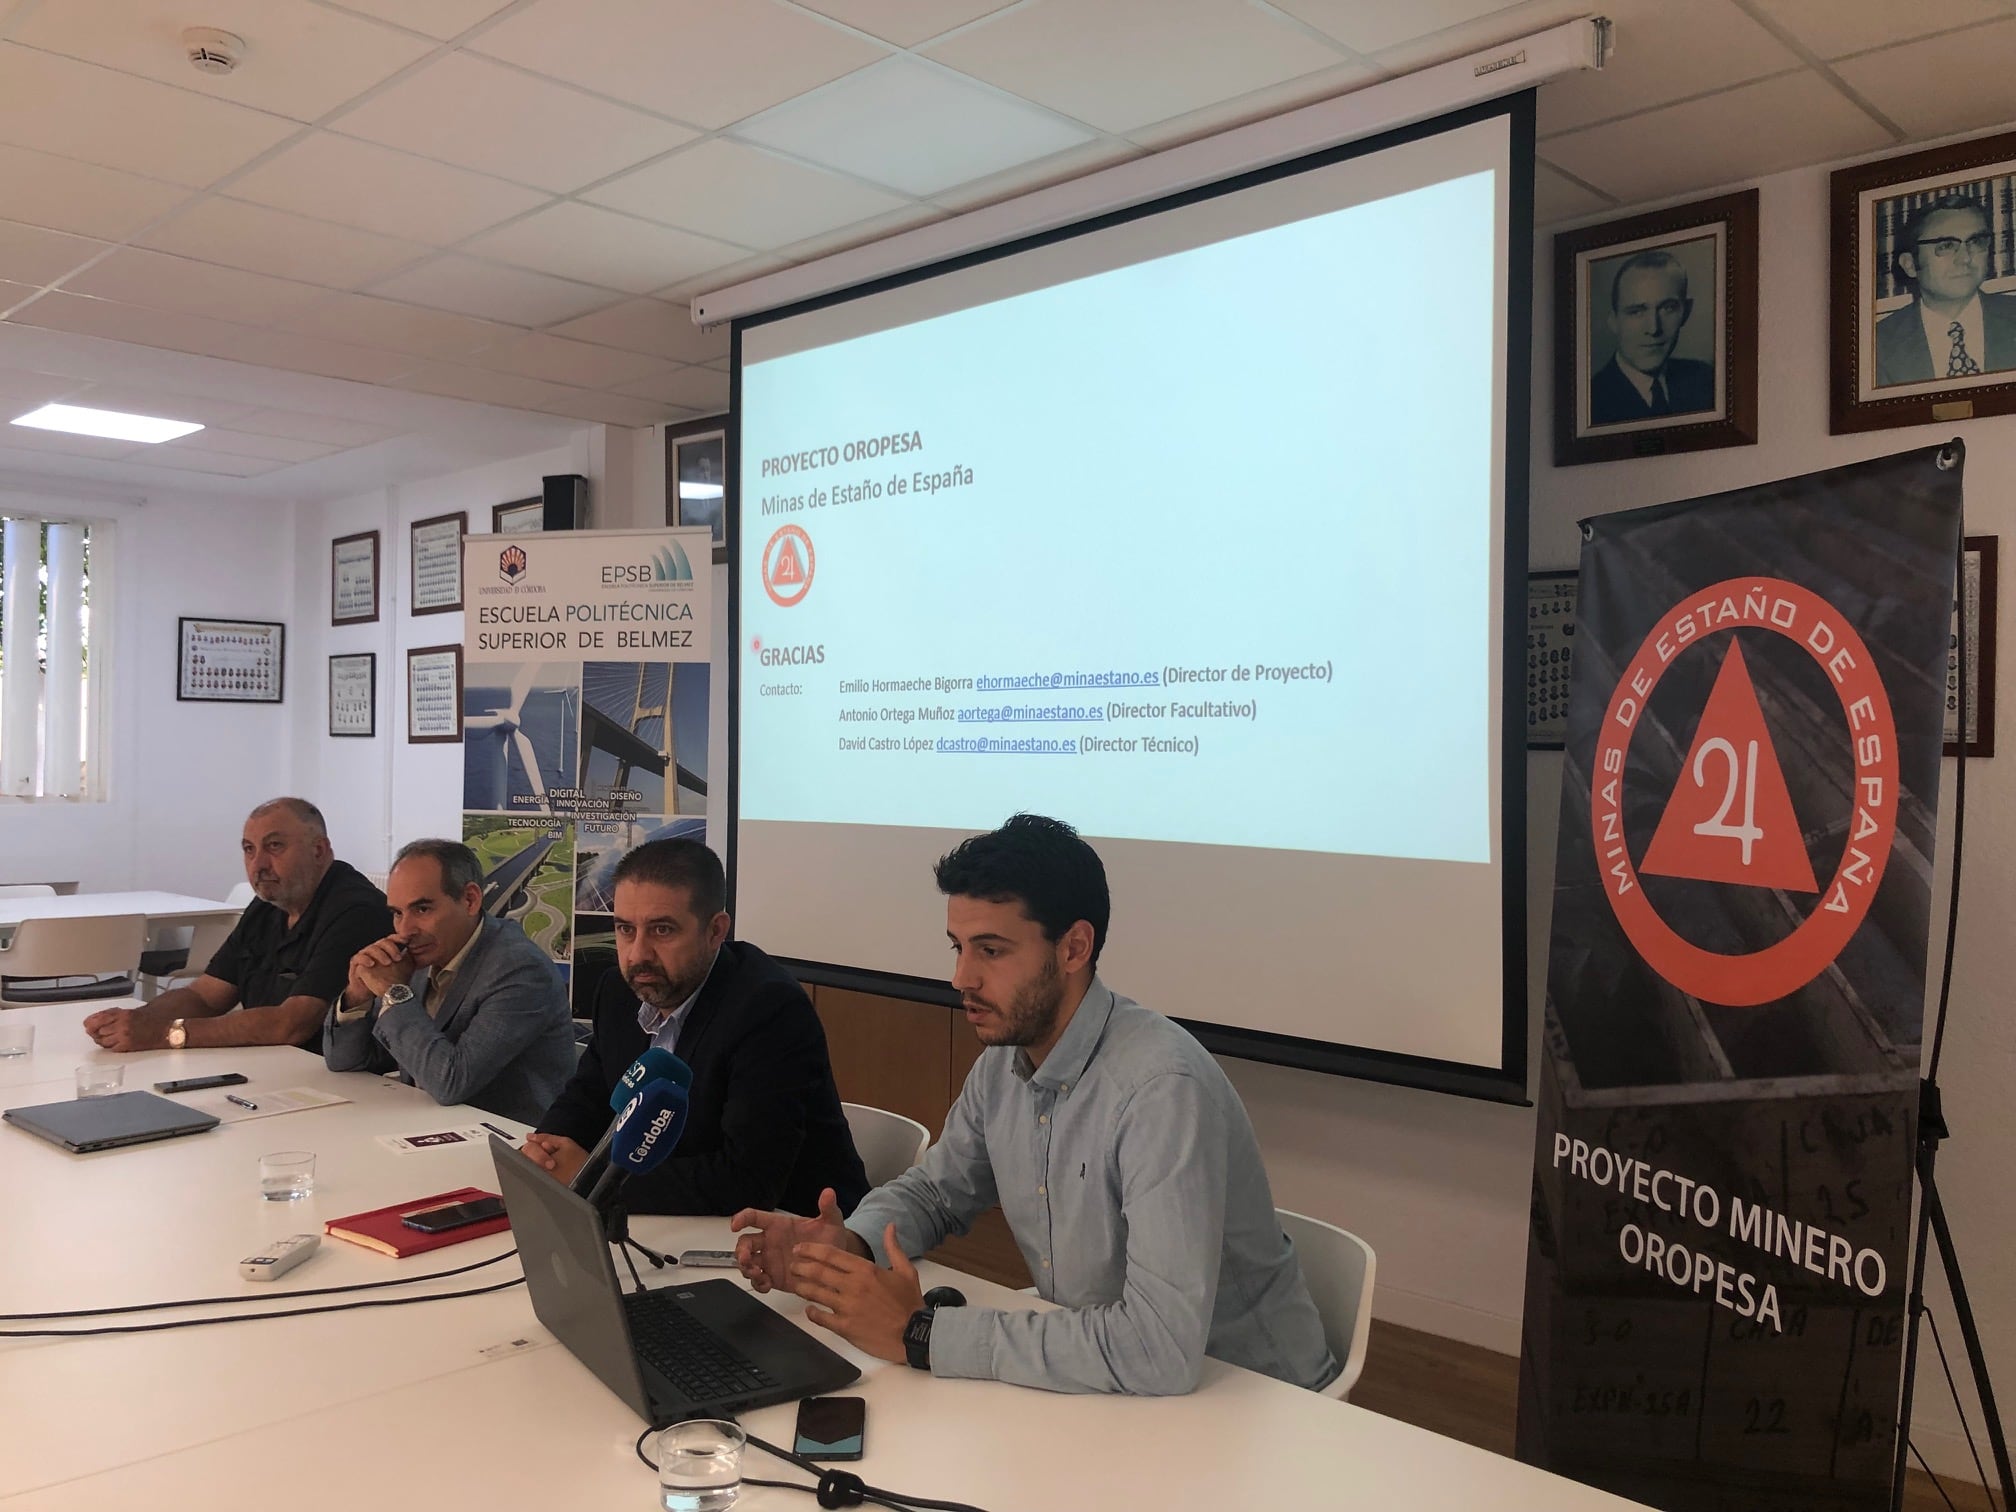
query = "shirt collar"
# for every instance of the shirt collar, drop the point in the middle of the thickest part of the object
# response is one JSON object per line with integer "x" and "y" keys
{"x": 1640, "y": 381}
{"x": 1065, "y": 1065}
{"x": 455, "y": 965}
{"x": 652, "y": 1020}
{"x": 1939, "y": 328}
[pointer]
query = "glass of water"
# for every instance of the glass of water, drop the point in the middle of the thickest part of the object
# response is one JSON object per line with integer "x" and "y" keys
{"x": 286, "y": 1175}
{"x": 15, "y": 1039}
{"x": 700, "y": 1466}
{"x": 97, "y": 1079}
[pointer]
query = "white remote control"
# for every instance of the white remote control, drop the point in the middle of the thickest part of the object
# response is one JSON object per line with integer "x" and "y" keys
{"x": 279, "y": 1258}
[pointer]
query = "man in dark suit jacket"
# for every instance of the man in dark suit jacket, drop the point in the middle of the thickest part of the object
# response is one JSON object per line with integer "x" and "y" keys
{"x": 1649, "y": 305}
{"x": 765, "y": 1126}
{"x": 1950, "y": 329}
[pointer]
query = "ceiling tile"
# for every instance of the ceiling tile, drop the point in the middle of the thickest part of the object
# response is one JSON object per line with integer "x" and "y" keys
{"x": 489, "y": 292}
{"x": 618, "y": 409}
{"x": 239, "y": 234}
{"x": 875, "y": 228}
{"x": 336, "y": 430}
{"x": 169, "y": 404}
{"x": 365, "y": 321}
{"x": 29, "y": 438}
{"x": 1728, "y": 138}
{"x": 906, "y": 22}
{"x": 310, "y": 354}
{"x": 1664, "y": 53}
{"x": 77, "y": 110}
{"x": 1324, "y": 83}
{"x": 485, "y": 387}
{"x": 1973, "y": 73}
{"x": 196, "y": 460}
{"x": 1496, "y": 27}
{"x": 437, "y": 18}
{"x": 1556, "y": 197}
{"x": 1833, "y": 28}
{"x": 721, "y": 278}
{"x": 242, "y": 444}
{"x": 1026, "y": 178}
{"x": 705, "y": 61}
{"x": 558, "y": 360}
{"x": 913, "y": 127}
{"x": 691, "y": 388}
{"x": 31, "y": 255}
{"x": 478, "y": 114}
{"x": 586, "y": 242}
{"x": 1370, "y": 28}
{"x": 21, "y": 392}
{"x": 170, "y": 329}
{"x": 161, "y": 282}
{"x": 372, "y": 187}
{"x": 67, "y": 195}
{"x": 742, "y": 194}
{"x": 1184, "y": 54}
{"x": 650, "y": 326}
{"x": 301, "y": 60}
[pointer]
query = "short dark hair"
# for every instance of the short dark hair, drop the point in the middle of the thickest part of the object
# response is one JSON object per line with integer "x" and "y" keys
{"x": 460, "y": 870}
{"x": 680, "y": 863}
{"x": 1652, "y": 257}
{"x": 297, "y": 808}
{"x": 1914, "y": 227}
{"x": 1041, "y": 864}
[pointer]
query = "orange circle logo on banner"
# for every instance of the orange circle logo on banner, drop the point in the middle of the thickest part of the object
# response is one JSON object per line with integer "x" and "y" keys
{"x": 1802, "y": 616}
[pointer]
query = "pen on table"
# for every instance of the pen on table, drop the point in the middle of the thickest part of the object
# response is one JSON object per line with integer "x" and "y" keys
{"x": 242, "y": 1102}
{"x": 500, "y": 1133}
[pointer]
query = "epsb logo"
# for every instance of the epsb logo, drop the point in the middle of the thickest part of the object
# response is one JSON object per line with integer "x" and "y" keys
{"x": 511, "y": 563}
{"x": 668, "y": 564}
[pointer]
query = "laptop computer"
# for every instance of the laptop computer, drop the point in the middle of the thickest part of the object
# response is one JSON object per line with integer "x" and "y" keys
{"x": 84, "y": 1124}
{"x": 689, "y": 1349}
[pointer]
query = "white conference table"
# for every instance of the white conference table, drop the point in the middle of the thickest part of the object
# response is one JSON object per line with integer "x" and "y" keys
{"x": 469, "y": 1403}
{"x": 159, "y": 907}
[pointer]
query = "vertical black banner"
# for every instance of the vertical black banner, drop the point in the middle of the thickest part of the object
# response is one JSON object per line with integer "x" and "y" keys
{"x": 1722, "y": 1193}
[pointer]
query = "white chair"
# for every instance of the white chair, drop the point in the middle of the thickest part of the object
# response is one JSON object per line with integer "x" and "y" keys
{"x": 106, "y": 950}
{"x": 207, "y": 932}
{"x": 888, "y": 1143}
{"x": 240, "y": 897}
{"x": 26, "y": 890}
{"x": 1338, "y": 1267}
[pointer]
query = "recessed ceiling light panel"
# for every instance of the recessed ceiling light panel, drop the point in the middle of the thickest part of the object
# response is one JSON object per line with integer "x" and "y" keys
{"x": 110, "y": 424}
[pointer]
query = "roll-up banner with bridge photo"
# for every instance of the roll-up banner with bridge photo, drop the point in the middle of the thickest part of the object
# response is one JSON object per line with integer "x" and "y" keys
{"x": 584, "y": 721}
{"x": 1716, "y": 1276}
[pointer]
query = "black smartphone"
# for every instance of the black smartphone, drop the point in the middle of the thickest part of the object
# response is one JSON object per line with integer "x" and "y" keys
{"x": 454, "y": 1215}
{"x": 197, "y": 1083}
{"x": 831, "y": 1428}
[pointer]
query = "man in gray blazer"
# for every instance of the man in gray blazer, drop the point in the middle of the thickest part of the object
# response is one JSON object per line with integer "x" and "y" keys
{"x": 462, "y": 1006}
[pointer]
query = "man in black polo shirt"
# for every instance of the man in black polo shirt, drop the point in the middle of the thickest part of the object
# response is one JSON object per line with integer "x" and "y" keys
{"x": 289, "y": 955}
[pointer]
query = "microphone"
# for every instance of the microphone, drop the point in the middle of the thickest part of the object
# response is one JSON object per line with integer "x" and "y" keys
{"x": 644, "y": 1136}
{"x": 653, "y": 1065}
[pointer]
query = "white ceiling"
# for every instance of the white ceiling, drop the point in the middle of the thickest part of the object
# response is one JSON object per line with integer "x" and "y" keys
{"x": 505, "y": 206}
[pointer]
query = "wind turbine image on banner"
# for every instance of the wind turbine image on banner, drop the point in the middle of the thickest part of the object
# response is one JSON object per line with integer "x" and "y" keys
{"x": 491, "y": 738}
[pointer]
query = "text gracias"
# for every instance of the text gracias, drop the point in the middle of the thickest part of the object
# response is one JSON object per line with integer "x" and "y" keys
{"x": 588, "y": 627}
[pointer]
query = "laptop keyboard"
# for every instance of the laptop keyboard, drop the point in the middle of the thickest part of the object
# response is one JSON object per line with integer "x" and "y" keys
{"x": 689, "y": 1354}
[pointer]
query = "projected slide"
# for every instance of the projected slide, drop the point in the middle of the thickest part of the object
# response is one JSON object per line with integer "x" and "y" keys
{"x": 1194, "y": 549}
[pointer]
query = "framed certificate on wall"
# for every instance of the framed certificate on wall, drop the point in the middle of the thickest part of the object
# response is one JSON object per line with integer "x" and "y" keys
{"x": 231, "y": 661}
{"x": 436, "y": 554}
{"x": 353, "y": 694}
{"x": 433, "y": 695}
{"x": 353, "y": 579}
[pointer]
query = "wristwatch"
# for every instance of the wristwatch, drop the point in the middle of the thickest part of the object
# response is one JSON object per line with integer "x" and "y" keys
{"x": 917, "y": 1338}
{"x": 394, "y": 995}
{"x": 177, "y": 1035}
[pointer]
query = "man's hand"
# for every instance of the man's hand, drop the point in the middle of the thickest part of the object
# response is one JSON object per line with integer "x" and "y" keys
{"x": 856, "y": 1298}
{"x": 555, "y": 1153}
{"x": 125, "y": 1029}
{"x": 376, "y": 968}
{"x": 765, "y": 1256}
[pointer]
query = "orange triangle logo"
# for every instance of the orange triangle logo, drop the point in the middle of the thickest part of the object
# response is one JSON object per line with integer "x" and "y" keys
{"x": 1729, "y": 818}
{"x": 790, "y": 566}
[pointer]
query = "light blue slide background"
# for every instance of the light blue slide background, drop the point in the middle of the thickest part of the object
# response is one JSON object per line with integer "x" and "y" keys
{"x": 1277, "y": 448}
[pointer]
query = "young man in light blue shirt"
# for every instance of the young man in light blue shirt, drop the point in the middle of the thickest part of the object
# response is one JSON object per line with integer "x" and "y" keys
{"x": 1115, "y": 1145}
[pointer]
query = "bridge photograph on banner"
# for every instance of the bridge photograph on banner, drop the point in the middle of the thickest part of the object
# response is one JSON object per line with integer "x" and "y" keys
{"x": 1722, "y": 1202}
{"x": 584, "y": 720}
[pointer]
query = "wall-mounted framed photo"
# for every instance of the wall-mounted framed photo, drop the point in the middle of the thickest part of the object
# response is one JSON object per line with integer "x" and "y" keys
{"x": 696, "y": 477}
{"x": 1973, "y": 617}
{"x": 1655, "y": 332}
{"x": 230, "y": 661}
{"x": 433, "y": 695}
{"x": 353, "y": 579}
{"x": 521, "y": 517}
{"x": 1923, "y": 327}
{"x": 436, "y": 555}
{"x": 353, "y": 694}
{"x": 1550, "y": 645}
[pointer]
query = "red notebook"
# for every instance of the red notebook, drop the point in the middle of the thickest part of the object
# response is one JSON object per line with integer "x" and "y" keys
{"x": 380, "y": 1229}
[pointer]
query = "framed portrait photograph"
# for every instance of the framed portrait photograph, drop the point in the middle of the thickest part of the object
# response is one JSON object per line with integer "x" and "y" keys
{"x": 1655, "y": 333}
{"x": 436, "y": 555}
{"x": 433, "y": 695}
{"x": 522, "y": 517}
{"x": 353, "y": 694}
{"x": 696, "y": 477}
{"x": 1973, "y": 620}
{"x": 1550, "y": 644}
{"x": 230, "y": 661}
{"x": 353, "y": 579}
{"x": 1923, "y": 326}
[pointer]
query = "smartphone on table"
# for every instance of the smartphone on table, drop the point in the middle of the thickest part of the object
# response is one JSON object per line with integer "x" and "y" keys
{"x": 197, "y": 1083}
{"x": 453, "y": 1215}
{"x": 831, "y": 1428}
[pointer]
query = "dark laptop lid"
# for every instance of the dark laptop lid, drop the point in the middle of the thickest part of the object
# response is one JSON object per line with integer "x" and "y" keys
{"x": 96, "y": 1123}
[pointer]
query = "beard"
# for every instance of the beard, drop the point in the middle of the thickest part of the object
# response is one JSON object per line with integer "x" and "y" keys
{"x": 1029, "y": 1016}
{"x": 659, "y": 991}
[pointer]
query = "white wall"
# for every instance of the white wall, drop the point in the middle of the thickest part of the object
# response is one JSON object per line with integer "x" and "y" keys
{"x": 180, "y": 775}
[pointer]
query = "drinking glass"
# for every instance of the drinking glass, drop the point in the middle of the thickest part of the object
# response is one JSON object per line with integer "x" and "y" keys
{"x": 100, "y": 1079}
{"x": 15, "y": 1039}
{"x": 700, "y": 1466}
{"x": 286, "y": 1175}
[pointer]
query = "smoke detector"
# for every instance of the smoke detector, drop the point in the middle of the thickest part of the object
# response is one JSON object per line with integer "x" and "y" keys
{"x": 212, "y": 51}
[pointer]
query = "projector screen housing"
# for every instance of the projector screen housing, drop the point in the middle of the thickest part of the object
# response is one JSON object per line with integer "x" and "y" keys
{"x": 1344, "y": 889}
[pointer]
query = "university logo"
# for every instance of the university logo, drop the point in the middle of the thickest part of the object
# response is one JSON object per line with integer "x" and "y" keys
{"x": 788, "y": 563}
{"x": 511, "y": 563}
{"x": 670, "y": 564}
{"x": 1729, "y": 819}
